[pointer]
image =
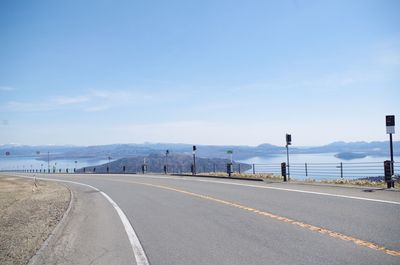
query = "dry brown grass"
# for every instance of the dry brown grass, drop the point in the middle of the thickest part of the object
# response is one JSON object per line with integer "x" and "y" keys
{"x": 266, "y": 176}
{"x": 355, "y": 182}
{"x": 28, "y": 214}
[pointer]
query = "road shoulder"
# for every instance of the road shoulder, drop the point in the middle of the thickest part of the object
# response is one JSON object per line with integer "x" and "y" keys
{"x": 91, "y": 233}
{"x": 29, "y": 212}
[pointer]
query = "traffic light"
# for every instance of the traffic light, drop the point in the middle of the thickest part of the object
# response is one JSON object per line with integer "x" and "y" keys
{"x": 283, "y": 171}
{"x": 288, "y": 139}
{"x": 388, "y": 170}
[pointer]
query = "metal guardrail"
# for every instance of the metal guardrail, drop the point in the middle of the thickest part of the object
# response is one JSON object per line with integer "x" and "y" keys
{"x": 327, "y": 170}
{"x": 345, "y": 170}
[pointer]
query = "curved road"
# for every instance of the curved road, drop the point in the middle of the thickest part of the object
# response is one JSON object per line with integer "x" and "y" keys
{"x": 186, "y": 220}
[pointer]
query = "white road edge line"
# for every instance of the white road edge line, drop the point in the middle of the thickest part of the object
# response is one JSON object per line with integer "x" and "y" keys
{"x": 304, "y": 191}
{"x": 138, "y": 251}
{"x": 276, "y": 188}
{"x": 140, "y": 255}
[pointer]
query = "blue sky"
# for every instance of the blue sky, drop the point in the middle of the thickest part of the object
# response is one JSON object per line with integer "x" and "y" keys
{"x": 201, "y": 72}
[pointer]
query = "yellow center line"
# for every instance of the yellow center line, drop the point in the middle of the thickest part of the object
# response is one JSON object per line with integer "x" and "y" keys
{"x": 310, "y": 227}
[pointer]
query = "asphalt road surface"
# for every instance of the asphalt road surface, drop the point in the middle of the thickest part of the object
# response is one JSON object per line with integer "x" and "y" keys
{"x": 186, "y": 220}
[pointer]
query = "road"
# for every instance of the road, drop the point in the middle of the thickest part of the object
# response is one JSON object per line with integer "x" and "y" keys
{"x": 186, "y": 220}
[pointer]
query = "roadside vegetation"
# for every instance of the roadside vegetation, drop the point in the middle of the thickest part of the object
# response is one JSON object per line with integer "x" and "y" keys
{"x": 272, "y": 177}
{"x": 357, "y": 182}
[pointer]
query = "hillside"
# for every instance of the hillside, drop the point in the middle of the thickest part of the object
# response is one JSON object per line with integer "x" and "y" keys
{"x": 177, "y": 163}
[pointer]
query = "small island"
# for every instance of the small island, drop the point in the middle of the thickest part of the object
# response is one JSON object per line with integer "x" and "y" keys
{"x": 350, "y": 155}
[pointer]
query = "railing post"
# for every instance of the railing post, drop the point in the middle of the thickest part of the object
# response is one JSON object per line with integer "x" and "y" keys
{"x": 341, "y": 169}
{"x": 305, "y": 164}
{"x": 254, "y": 169}
{"x": 239, "y": 168}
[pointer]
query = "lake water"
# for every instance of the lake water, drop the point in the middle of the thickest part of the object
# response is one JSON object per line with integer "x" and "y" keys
{"x": 313, "y": 158}
{"x": 319, "y": 166}
{"x": 27, "y": 163}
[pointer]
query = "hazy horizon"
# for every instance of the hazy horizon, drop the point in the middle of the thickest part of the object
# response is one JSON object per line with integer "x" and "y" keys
{"x": 170, "y": 143}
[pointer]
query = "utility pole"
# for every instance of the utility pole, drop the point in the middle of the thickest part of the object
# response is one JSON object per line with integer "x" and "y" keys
{"x": 144, "y": 166}
{"x": 166, "y": 161}
{"x": 108, "y": 166}
{"x": 288, "y": 142}
{"x": 229, "y": 167}
{"x": 194, "y": 160}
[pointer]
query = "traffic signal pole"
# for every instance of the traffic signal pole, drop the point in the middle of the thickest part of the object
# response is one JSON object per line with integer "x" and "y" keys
{"x": 390, "y": 129}
{"x": 288, "y": 142}
{"x": 391, "y": 154}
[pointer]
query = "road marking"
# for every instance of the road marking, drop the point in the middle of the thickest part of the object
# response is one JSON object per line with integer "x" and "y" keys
{"x": 274, "y": 188}
{"x": 263, "y": 187}
{"x": 310, "y": 227}
{"x": 302, "y": 191}
{"x": 138, "y": 251}
{"x": 271, "y": 188}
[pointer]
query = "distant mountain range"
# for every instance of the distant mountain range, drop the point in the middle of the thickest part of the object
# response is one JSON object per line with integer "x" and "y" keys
{"x": 342, "y": 150}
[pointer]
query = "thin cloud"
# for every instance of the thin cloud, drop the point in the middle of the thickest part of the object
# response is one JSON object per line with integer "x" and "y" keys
{"x": 27, "y": 106}
{"x": 190, "y": 131}
{"x": 110, "y": 95}
{"x": 6, "y": 88}
{"x": 389, "y": 57}
{"x": 92, "y": 101}
{"x": 97, "y": 108}
{"x": 70, "y": 100}
{"x": 341, "y": 79}
{"x": 388, "y": 52}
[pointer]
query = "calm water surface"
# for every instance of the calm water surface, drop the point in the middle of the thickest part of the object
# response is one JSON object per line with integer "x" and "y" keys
{"x": 21, "y": 163}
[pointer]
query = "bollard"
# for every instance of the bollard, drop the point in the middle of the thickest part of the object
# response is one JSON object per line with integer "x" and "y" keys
{"x": 283, "y": 171}
{"x": 229, "y": 169}
{"x": 305, "y": 164}
{"x": 387, "y": 165}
